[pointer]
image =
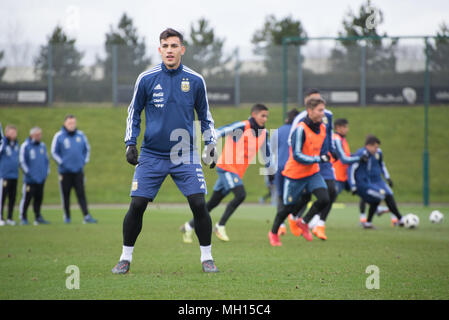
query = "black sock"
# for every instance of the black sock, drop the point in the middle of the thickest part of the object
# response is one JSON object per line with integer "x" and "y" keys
{"x": 372, "y": 210}
{"x": 332, "y": 196}
{"x": 362, "y": 206}
{"x": 281, "y": 215}
{"x": 391, "y": 204}
{"x": 214, "y": 200}
{"x": 321, "y": 202}
{"x": 201, "y": 217}
{"x": 301, "y": 207}
{"x": 239, "y": 196}
{"x": 132, "y": 224}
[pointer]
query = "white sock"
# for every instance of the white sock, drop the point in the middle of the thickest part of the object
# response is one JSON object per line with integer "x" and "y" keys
{"x": 127, "y": 253}
{"x": 320, "y": 223}
{"x": 188, "y": 227}
{"x": 206, "y": 253}
{"x": 362, "y": 216}
{"x": 314, "y": 221}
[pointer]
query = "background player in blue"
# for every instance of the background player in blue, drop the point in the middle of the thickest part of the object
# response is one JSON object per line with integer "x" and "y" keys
{"x": 365, "y": 179}
{"x": 170, "y": 93}
{"x": 9, "y": 172}
{"x": 35, "y": 165}
{"x": 282, "y": 135}
{"x": 326, "y": 171}
{"x": 380, "y": 209}
{"x": 70, "y": 149}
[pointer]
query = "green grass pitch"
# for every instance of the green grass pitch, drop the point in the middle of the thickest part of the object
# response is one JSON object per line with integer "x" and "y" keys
{"x": 413, "y": 264}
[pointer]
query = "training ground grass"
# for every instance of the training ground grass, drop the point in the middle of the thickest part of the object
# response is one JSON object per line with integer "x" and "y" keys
{"x": 413, "y": 264}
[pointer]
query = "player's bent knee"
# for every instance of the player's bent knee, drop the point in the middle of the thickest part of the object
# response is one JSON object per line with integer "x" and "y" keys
{"x": 196, "y": 200}
{"x": 240, "y": 194}
{"x": 139, "y": 204}
{"x": 322, "y": 198}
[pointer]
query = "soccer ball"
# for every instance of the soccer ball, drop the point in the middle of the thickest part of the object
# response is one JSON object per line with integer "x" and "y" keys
{"x": 411, "y": 221}
{"x": 436, "y": 216}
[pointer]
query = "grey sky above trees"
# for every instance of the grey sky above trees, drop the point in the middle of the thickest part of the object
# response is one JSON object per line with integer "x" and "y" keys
{"x": 235, "y": 21}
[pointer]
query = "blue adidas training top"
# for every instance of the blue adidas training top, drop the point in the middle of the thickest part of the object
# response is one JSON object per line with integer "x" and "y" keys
{"x": 170, "y": 98}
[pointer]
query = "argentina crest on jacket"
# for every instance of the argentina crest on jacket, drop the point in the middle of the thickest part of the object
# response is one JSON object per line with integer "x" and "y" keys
{"x": 185, "y": 85}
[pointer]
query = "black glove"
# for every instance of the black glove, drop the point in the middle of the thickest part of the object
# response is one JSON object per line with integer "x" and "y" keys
{"x": 209, "y": 155}
{"x": 364, "y": 158}
{"x": 334, "y": 155}
{"x": 132, "y": 155}
{"x": 271, "y": 178}
{"x": 324, "y": 158}
{"x": 354, "y": 191}
{"x": 390, "y": 183}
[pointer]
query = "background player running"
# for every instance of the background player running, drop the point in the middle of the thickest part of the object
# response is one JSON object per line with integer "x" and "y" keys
{"x": 365, "y": 179}
{"x": 281, "y": 140}
{"x": 302, "y": 170}
{"x": 243, "y": 140}
{"x": 326, "y": 171}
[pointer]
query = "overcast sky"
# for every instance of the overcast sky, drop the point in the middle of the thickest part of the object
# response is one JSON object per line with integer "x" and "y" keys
{"x": 235, "y": 20}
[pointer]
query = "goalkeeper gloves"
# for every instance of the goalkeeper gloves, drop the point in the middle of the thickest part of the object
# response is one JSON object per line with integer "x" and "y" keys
{"x": 209, "y": 155}
{"x": 132, "y": 155}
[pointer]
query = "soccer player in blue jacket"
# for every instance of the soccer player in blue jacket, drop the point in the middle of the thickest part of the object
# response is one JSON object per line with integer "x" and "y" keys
{"x": 9, "y": 172}
{"x": 35, "y": 165}
{"x": 70, "y": 149}
{"x": 170, "y": 93}
{"x": 365, "y": 179}
{"x": 326, "y": 171}
{"x": 281, "y": 140}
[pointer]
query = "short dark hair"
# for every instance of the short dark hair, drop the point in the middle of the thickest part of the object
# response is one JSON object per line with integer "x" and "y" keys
{"x": 258, "y": 107}
{"x": 69, "y": 116}
{"x": 311, "y": 91}
{"x": 291, "y": 115}
{"x": 371, "y": 139}
{"x": 341, "y": 122}
{"x": 169, "y": 32}
{"x": 313, "y": 103}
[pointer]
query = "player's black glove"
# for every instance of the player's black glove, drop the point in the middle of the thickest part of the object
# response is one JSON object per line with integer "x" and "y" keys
{"x": 324, "y": 158}
{"x": 271, "y": 178}
{"x": 390, "y": 183}
{"x": 364, "y": 158}
{"x": 209, "y": 155}
{"x": 334, "y": 155}
{"x": 132, "y": 155}
{"x": 354, "y": 191}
